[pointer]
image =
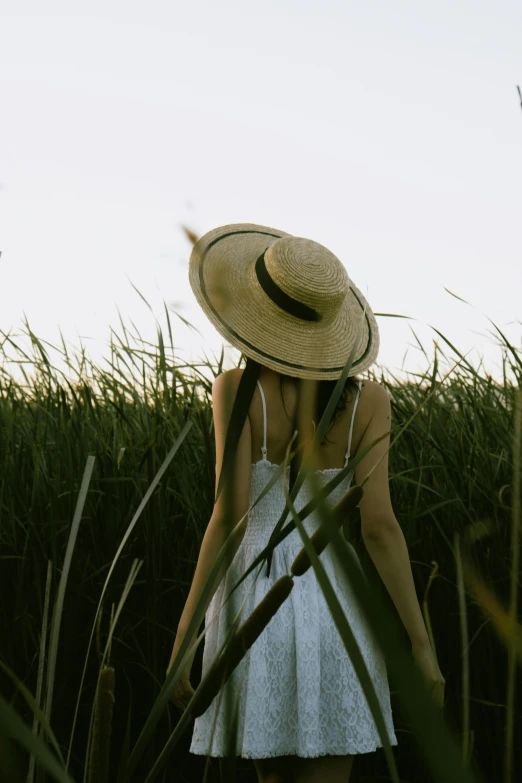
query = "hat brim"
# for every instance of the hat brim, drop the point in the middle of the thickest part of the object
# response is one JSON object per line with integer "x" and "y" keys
{"x": 223, "y": 279}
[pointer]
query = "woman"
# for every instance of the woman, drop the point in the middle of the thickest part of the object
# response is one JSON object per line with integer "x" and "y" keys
{"x": 288, "y": 304}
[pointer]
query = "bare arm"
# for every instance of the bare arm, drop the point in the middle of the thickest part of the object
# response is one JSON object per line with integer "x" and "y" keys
{"x": 389, "y": 554}
{"x": 215, "y": 536}
{"x": 384, "y": 539}
{"x": 381, "y": 533}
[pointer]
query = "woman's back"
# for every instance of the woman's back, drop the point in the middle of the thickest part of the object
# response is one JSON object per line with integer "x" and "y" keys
{"x": 371, "y": 421}
{"x": 332, "y": 451}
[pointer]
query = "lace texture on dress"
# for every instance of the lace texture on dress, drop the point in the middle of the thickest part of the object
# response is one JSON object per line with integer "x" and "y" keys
{"x": 296, "y": 689}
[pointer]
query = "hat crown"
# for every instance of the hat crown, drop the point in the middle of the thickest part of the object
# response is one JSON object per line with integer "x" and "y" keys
{"x": 308, "y": 272}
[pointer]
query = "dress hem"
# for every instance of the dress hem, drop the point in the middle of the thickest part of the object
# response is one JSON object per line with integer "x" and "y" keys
{"x": 291, "y": 753}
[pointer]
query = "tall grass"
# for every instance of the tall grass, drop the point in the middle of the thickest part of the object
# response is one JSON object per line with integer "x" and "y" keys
{"x": 453, "y": 473}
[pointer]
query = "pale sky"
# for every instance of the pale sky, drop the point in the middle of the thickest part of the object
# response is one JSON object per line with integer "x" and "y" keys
{"x": 389, "y": 132}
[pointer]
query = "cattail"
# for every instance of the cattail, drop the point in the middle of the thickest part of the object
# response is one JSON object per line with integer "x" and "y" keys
{"x": 242, "y": 640}
{"x": 322, "y": 536}
{"x": 99, "y": 755}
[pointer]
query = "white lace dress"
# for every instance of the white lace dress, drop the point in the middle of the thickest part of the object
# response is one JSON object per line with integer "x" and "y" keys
{"x": 297, "y": 691}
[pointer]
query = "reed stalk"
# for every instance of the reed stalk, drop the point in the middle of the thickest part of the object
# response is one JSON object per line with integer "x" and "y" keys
{"x": 322, "y": 536}
{"x": 514, "y": 587}
{"x": 41, "y": 663}
{"x": 426, "y": 609}
{"x": 241, "y": 642}
{"x": 99, "y": 757}
{"x": 463, "y": 616}
{"x": 222, "y": 667}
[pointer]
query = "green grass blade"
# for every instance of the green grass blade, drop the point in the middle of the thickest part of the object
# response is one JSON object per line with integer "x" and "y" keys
{"x": 41, "y": 664}
{"x": 435, "y": 740}
{"x": 426, "y": 611}
{"x": 186, "y": 649}
{"x": 508, "y": 345}
{"x": 38, "y": 714}
{"x": 60, "y": 597}
{"x": 179, "y": 440}
{"x": 394, "y": 315}
{"x": 136, "y": 565}
{"x": 12, "y": 727}
{"x": 463, "y": 616}
{"x": 122, "y": 777}
{"x": 514, "y": 586}
{"x": 238, "y": 416}
{"x": 321, "y": 430}
{"x": 346, "y": 633}
{"x": 306, "y": 510}
{"x": 456, "y": 297}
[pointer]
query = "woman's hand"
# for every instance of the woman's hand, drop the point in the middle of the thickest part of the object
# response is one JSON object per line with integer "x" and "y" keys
{"x": 183, "y": 690}
{"x": 425, "y": 661}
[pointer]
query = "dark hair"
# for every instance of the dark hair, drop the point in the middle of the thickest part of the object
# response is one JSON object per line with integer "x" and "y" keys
{"x": 324, "y": 392}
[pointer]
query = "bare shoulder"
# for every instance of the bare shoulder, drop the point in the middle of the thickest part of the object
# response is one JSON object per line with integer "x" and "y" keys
{"x": 228, "y": 376}
{"x": 372, "y": 470}
{"x": 375, "y": 390}
{"x": 374, "y": 398}
{"x": 226, "y": 383}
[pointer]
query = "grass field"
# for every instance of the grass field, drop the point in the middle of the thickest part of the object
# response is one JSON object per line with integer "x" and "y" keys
{"x": 79, "y": 454}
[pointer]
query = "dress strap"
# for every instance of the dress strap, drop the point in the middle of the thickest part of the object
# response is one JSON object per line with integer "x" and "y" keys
{"x": 263, "y": 447}
{"x": 347, "y": 458}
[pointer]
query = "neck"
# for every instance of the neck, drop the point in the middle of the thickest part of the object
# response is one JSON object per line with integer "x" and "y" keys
{"x": 267, "y": 372}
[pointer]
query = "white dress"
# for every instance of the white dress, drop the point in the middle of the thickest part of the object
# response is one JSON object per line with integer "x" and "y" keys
{"x": 297, "y": 690}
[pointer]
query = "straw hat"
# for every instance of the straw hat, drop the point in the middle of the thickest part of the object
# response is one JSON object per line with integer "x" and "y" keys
{"x": 284, "y": 301}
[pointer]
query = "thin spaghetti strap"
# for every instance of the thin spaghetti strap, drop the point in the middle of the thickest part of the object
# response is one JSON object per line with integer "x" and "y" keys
{"x": 347, "y": 456}
{"x": 263, "y": 447}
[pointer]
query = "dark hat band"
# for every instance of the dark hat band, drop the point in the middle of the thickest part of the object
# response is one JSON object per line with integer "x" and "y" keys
{"x": 280, "y": 298}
